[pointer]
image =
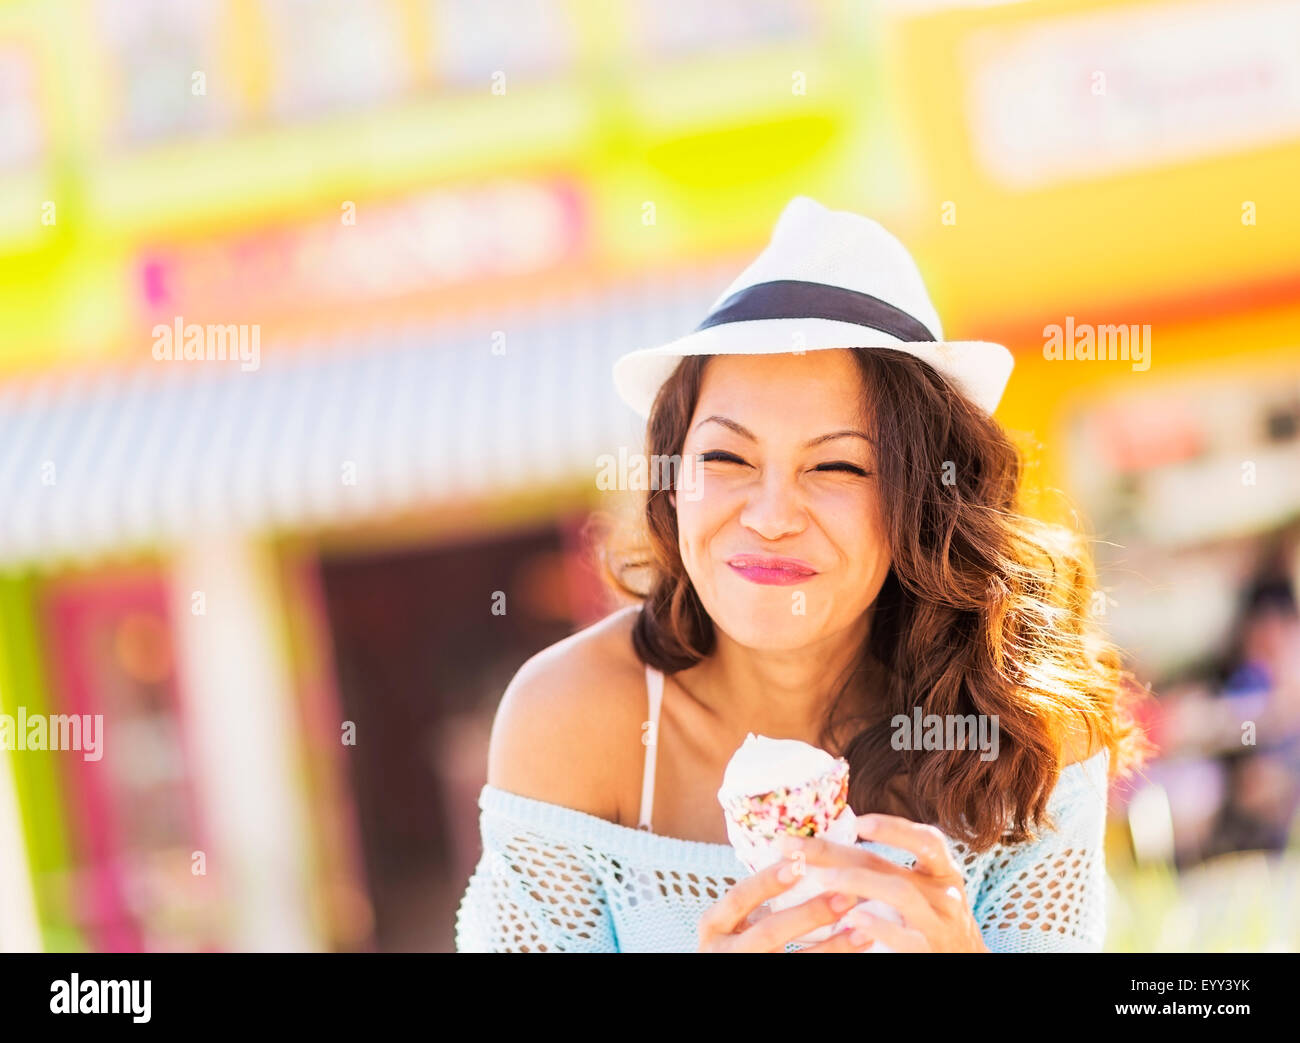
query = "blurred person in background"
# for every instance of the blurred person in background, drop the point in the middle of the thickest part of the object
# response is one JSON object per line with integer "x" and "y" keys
{"x": 1263, "y": 681}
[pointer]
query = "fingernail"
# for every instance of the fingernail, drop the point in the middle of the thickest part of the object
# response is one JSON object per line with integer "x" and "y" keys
{"x": 859, "y": 938}
{"x": 841, "y": 902}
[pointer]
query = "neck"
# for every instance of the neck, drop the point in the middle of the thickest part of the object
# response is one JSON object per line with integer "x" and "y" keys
{"x": 783, "y": 694}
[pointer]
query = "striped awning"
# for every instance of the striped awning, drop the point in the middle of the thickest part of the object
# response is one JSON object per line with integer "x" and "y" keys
{"x": 326, "y": 432}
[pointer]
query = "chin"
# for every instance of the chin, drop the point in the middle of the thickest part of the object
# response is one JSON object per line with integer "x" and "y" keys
{"x": 769, "y": 626}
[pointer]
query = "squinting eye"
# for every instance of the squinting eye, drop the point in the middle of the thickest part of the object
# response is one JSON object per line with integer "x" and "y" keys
{"x": 842, "y": 465}
{"x": 724, "y": 457}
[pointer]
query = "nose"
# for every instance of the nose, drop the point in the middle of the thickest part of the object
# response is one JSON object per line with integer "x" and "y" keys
{"x": 774, "y": 510}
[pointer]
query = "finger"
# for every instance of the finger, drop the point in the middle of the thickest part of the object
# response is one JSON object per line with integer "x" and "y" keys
{"x": 732, "y": 910}
{"x": 841, "y": 941}
{"x": 898, "y": 937}
{"x": 926, "y": 842}
{"x": 775, "y": 931}
{"x": 901, "y": 890}
{"x": 822, "y": 852}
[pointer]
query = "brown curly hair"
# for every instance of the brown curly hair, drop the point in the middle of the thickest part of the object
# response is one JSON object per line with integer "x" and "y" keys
{"x": 985, "y": 610}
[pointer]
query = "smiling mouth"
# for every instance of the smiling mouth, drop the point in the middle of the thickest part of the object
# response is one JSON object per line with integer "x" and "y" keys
{"x": 771, "y": 571}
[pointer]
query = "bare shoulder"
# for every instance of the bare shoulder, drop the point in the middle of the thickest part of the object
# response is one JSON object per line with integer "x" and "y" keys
{"x": 571, "y": 718}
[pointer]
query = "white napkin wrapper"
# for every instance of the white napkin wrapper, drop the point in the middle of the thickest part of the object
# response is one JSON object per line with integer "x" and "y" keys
{"x": 811, "y": 882}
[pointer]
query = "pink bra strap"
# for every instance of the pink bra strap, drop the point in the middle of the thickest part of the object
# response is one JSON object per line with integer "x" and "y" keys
{"x": 650, "y": 739}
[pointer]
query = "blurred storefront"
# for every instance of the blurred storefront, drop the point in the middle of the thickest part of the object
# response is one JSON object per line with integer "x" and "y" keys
{"x": 1114, "y": 176}
{"x": 279, "y": 576}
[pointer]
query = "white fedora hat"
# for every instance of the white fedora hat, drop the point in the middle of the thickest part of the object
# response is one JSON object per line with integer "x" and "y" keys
{"x": 827, "y": 279}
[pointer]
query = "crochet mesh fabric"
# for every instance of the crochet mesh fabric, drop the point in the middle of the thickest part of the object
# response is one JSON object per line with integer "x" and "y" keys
{"x": 552, "y": 879}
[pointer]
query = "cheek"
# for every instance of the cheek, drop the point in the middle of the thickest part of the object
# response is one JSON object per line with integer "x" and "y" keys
{"x": 855, "y": 522}
{"x": 701, "y": 509}
{"x": 691, "y": 526}
{"x": 700, "y": 518}
{"x": 693, "y": 545}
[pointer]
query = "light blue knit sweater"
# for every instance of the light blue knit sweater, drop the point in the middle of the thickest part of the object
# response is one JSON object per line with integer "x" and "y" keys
{"x": 552, "y": 879}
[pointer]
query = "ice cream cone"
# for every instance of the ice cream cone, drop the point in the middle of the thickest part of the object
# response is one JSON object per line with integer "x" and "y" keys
{"x": 780, "y": 787}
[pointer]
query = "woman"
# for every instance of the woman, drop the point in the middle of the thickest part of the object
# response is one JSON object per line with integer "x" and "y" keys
{"x": 837, "y": 549}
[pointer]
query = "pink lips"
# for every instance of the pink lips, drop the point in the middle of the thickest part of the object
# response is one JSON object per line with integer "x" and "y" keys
{"x": 759, "y": 568}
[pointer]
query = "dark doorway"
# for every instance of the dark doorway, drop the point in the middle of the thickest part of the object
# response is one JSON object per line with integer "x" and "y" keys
{"x": 422, "y": 661}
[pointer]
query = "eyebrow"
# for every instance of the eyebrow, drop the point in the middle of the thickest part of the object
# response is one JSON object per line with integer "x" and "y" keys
{"x": 744, "y": 432}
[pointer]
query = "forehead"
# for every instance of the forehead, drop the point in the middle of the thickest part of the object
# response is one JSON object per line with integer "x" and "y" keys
{"x": 818, "y": 387}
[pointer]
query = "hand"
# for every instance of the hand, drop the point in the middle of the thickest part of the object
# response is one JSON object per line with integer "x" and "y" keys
{"x": 930, "y": 896}
{"x": 734, "y": 923}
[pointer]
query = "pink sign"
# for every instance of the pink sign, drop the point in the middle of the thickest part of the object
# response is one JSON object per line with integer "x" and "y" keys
{"x": 371, "y": 251}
